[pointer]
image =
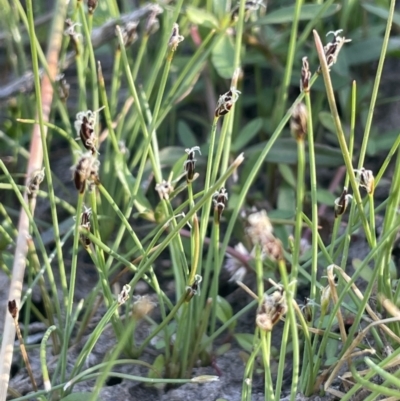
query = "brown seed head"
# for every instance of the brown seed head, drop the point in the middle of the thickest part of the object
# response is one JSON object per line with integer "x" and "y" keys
{"x": 298, "y": 122}
{"x": 34, "y": 181}
{"x": 220, "y": 200}
{"x": 193, "y": 289}
{"x": 366, "y": 179}
{"x": 13, "y": 309}
{"x": 91, "y": 4}
{"x": 190, "y": 163}
{"x": 85, "y": 223}
{"x": 342, "y": 202}
{"x": 86, "y": 170}
{"x": 226, "y": 102}
{"x": 305, "y": 76}
{"x": 84, "y": 126}
{"x": 333, "y": 48}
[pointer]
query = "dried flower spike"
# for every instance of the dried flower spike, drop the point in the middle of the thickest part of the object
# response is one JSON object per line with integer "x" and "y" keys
{"x": 333, "y": 48}
{"x": 63, "y": 87}
{"x": 129, "y": 33}
{"x": 298, "y": 122}
{"x": 273, "y": 248}
{"x": 84, "y": 126}
{"x": 342, "y": 202}
{"x": 142, "y": 306}
{"x": 190, "y": 163}
{"x": 260, "y": 227}
{"x": 226, "y": 102}
{"x": 152, "y": 24}
{"x": 86, "y": 170}
{"x": 70, "y": 31}
{"x": 271, "y": 310}
{"x": 250, "y": 5}
{"x": 175, "y": 38}
{"x": 123, "y": 296}
{"x": 34, "y": 181}
{"x": 366, "y": 179}
{"x": 220, "y": 199}
{"x": 164, "y": 189}
{"x": 305, "y": 76}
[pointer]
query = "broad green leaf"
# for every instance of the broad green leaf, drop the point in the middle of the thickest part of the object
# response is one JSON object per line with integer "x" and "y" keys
{"x": 220, "y": 7}
{"x": 177, "y": 168}
{"x": 286, "y": 197}
{"x": 77, "y": 397}
{"x": 366, "y": 50}
{"x": 281, "y": 214}
{"x": 287, "y": 174}
{"x": 223, "y": 56}
{"x": 200, "y": 16}
{"x": 158, "y": 367}
{"x": 186, "y": 134}
{"x": 224, "y": 311}
{"x": 331, "y": 350}
{"x": 381, "y": 142}
{"x": 330, "y": 361}
{"x": 308, "y": 12}
{"x": 326, "y": 120}
{"x": 223, "y": 349}
{"x": 325, "y": 197}
{"x": 382, "y": 13}
{"x": 366, "y": 272}
{"x": 284, "y": 150}
{"x": 247, "y": 133}
{"x": 245, "y": 340}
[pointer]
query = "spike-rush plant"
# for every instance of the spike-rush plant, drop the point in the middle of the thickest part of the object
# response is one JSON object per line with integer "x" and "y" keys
{"x": 164, "y": 194}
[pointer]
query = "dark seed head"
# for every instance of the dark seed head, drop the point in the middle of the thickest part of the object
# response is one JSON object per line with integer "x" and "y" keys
{"x": 12, "y": 308}
{"x": 91, "y": 4}
{"x": 85, "y": 170}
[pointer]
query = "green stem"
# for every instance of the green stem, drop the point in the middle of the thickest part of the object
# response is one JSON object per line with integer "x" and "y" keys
{"x": 248, "y": 373}
{"x": 377, "y": 82}
{"x": 289, "y": 294}
{"x": 71, "y": 288}
{"x": 314, "y": 202}
{"x": 283, "y": 93}
{"x": 299, "y": 206}
{"x": 266, "y": 356}
{"x": 341, "y": 138}
{"x": 43, "y": 363}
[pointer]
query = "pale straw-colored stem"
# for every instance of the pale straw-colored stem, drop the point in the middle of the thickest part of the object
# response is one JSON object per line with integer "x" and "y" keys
{"x": 34, "y": 163}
